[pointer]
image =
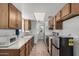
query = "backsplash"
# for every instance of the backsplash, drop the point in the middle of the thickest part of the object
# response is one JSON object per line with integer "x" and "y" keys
{"x": 4, "y": 32}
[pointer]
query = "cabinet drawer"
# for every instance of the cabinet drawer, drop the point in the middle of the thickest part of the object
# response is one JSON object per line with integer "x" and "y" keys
{"x": 66, "y": 10}
{"x": 9, "y": 52}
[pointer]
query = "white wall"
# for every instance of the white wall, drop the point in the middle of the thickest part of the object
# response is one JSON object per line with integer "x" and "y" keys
{"x": 4, "y": 32}
{"x": 33, "y": 29}
{"x": 72, "y": 25}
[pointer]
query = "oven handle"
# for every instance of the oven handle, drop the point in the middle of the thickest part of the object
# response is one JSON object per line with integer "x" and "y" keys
{"x": 55, "y": 46}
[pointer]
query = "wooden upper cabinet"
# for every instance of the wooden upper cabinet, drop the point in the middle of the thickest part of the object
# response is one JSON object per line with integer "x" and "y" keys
{"x": 75, "y": 8}
{"x": 27, "y": 25}
{"x": 54, "y": 22}
{"x": 12, "y": 16}
{"x": 70, "y": 10}
{"x": 19, "y": 20}
{"x": 58, "y": 16}
{"x": 58, "y": 25}
{"x": 9, "y": 16}
{"x": 50, "y": 23}
{"x": 3, "y": 15}
{"x": 66, "y": 10}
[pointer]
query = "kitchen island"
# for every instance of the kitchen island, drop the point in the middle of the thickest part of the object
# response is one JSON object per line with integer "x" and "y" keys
{"x": 21, "y": 47}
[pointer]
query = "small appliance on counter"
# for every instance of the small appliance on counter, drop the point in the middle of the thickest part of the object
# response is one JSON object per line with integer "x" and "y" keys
{"x": 7, "y": 40}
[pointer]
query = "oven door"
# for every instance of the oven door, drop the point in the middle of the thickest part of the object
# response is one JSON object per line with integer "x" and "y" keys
{"x": 55, "y": 51}
{"x": 55, "y": 46}
{"x": 56, "y": 41}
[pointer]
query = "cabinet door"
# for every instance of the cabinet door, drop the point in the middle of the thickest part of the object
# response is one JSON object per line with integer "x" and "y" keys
{"x": 32, "y": 41}
{"x": 66, "y": 10}
{"x": 75, "y": 8}
{"x": 3, "y": 15}
{"x": 50, "y": 23}
{"x": 27, "y": 50}
{"x": 22, "y": 51}
{"x": 27, "y": 25}
{"x": 12, "y": 16}
{"x": 29, "y": 46}
{"x": 19, "y": 19}
{"x": 9, "y": 52}
{"x": 59, "y": 25}
{"x": 58, "y": 16}
{"x": 54, "y": 22}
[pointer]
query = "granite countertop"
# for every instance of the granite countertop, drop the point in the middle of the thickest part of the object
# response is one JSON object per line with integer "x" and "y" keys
{"x": 19, "y": 43}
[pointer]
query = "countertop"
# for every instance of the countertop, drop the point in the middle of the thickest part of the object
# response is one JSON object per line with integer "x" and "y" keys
{"x": 19, "y": 43}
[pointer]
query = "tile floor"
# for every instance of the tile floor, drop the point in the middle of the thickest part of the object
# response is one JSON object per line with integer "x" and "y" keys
{"x": 39, "y": 49}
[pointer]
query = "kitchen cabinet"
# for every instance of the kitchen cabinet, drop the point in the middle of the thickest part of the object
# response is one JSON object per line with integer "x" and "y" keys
{"x": 32, "y": 41}
{"x": 58, "y": 25}
{"x": 58, "y": 16}
{"x": 27, "y": 24}
{"x": 12, "y": 16}
{"x": 13, "y": 52}
{"x": 30, "y": 46}
{"x": 54, "y": 22}
{"x": 4, "y": 15}
{"x": 19, "y": 20}
{"x": 69, "y": 10}
{"x": 27, "y": 50}
{"x": 66, "y": 10}
{"x": 24, "y": 50}
{"x": 50, "y": 23}
{"x": 9, "y": 16}
{"x": 9, "y": 52}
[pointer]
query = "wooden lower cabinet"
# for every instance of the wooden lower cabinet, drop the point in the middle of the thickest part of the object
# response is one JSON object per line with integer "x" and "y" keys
{"x": 23, "y": 51}
{"x": 32, "y": 41}
{"x": 29, "y": 46}
{"x": 27, "y": 50}
{"x": 9, "y": 52}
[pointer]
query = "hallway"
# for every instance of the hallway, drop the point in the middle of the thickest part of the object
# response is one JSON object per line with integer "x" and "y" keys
{"x": 39, "y": 49}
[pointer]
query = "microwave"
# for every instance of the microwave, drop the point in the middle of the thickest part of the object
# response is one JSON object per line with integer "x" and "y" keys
{"x": 7, "y": 40}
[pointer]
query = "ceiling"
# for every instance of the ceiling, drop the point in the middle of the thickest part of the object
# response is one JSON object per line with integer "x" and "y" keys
{"x": 28, "y": 9}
